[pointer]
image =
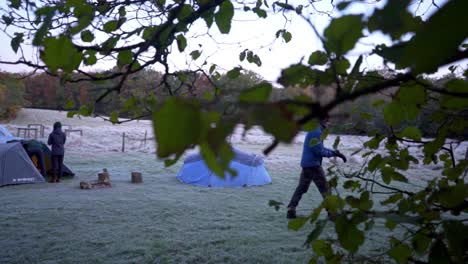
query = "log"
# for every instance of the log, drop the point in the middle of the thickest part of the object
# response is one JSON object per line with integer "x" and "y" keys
{"x": 137, "y": 177}
{"x": 85, "y": 185}
{"x": 103, "y": 177}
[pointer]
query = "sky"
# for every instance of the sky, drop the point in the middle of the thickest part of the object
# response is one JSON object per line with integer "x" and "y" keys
{"x": 258, "y": 35}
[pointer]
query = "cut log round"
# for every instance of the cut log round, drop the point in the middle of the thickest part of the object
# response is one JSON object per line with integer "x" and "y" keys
{"x": 137, "y": 177}
{"x": 103, "y": 177}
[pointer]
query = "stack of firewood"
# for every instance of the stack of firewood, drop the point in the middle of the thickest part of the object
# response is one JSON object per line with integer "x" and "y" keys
{"x": 102, "y": 182}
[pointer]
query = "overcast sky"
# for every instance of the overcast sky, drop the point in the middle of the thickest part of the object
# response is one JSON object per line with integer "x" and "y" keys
{"x": 256, "y": 34}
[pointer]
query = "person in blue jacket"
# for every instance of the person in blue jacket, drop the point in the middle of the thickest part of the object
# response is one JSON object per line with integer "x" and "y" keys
{"x": 311, "y": 164}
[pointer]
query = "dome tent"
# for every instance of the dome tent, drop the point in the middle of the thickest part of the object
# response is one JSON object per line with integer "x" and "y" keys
{"x": 249, "y": 167}
{"x": 16, "y": 167}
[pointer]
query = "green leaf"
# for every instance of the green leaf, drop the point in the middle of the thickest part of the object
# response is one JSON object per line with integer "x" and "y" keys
{"x": 367, "y": 116}
{"x": 172, "y": 137}
{"x": 319, "y": 226}
{"x": 260, "y": 12}
{"x": 349, "y": 236}
{"x": 86, "y": 110}
{"x": 8, "y": 20}
{"x": 392, "y": 199}
{"x": 322, "y": 248}
{"x": 125, "y": 57}
{"x": 61, "y": 53}
{"x": 343, "y": 5}
{"x": 297, "y": 74}
{"x": 70, "y": 104}
{"x": 342, "y": 33}
{"x": 284, "y": 5}
{"x": 110, "y": 26}
{"x": 297, "y": 223}
{"x": 313, "y": 142}
{"x": 16, "y": 41}
{"x": 353, "y": 185}
{"x": 412, "y": 94}
{"x": 84, "y": 12}
{"x": 455, "y": 102}
{"x": 318, "y": 58}
{"x": 400, "y": 253}
{"x": 456, "y": 233}
{"x": 412, "y": 132}
{"x": 212, "y": 68}
{"x": 374, "y": 162}
{"x": 242, "y": 55}
{"x": 181, "y": 42}
{"x": 208, "y": 17}
{"x": 439, "y": 253}
{"x": 356, "y": 66}
{"x": 269, "y": 116}
{"x": 184, "y": 12}
{"x": 287, "y": 36}
{"x": 122, "y": 11}
{"x": 47, "y": 12}
{"x": 393, "y": 114}
{"x": 114, "y": 117}
{"x": 378, "y": 103}
{"x": 443, "y": 24}
{"x": 15, "y": 3}
{"x": 275, "y": 204}
{"x": 234, "y": 73}
{"x": 389, "y": 172}
{"x": 452, "y": 196}
{"x": 374, "y": 143}
{"x": 336, "y": 143}
{"x": 71, "y": 114}
{"x": 90, "y": 57}
{"x": 390, "y": 224}
{"x": 333, "y": 203}
{"x": 394, "y": 19}
{"x": 224, "y": 17}
{"x": 195, "y": 54}
{"x": 421, "y": 242}
{"x": 342, "y": 66}
{"x": 87, "y": 36}
{"x": 258, "y": 93}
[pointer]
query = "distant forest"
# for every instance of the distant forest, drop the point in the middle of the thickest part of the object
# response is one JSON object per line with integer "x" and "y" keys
{"x": 360, "y": 117}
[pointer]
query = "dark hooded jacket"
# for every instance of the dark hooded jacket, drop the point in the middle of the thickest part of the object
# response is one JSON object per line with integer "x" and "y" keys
{"x": 57, "y": 139}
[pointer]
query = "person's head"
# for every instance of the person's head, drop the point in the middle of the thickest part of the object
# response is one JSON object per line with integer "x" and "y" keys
{"x": 57, "y": 125}
{"x": 324, "y": 122}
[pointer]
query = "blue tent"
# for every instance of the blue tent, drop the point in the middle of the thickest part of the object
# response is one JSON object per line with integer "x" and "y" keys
{"x": 6, "y": 136}
{"x": 249, "y": 167}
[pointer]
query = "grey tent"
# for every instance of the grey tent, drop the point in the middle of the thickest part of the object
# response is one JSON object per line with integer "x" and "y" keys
{"x": 16, "y": 167}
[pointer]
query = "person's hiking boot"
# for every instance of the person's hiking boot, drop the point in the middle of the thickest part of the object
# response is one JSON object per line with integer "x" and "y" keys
{"x": 291, "y": 213}
{"x": 57, "y": 179}
{"x": 52, "y": 179}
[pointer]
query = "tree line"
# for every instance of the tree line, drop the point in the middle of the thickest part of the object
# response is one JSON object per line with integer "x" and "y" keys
{"x": 360, "y": 117}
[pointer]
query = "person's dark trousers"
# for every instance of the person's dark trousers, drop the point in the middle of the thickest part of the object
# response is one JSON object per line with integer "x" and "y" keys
{"x": 309, "y": 174}
{"x": 57, "y": 167}
{"x": 40, "y": 160}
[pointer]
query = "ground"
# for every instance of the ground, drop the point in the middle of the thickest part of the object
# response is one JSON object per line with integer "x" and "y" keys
{"x": 160, "y": 220}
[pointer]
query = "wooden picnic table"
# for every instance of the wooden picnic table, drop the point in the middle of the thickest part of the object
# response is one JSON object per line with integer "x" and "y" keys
{"x": 41, "y": 128}
{"x": 26, "y": 131}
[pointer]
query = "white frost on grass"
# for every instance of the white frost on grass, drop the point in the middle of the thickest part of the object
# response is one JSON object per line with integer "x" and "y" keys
{"x": 100, "y": 137}
{"x": 161, "y": 220}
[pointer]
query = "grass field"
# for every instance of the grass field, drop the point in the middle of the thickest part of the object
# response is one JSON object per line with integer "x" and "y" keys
{"x": 160, "y": 220}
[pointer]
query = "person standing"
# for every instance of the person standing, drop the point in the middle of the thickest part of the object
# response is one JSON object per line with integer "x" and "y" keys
{"x": 57, "y": 140}
{"x": 311, "y": 164}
